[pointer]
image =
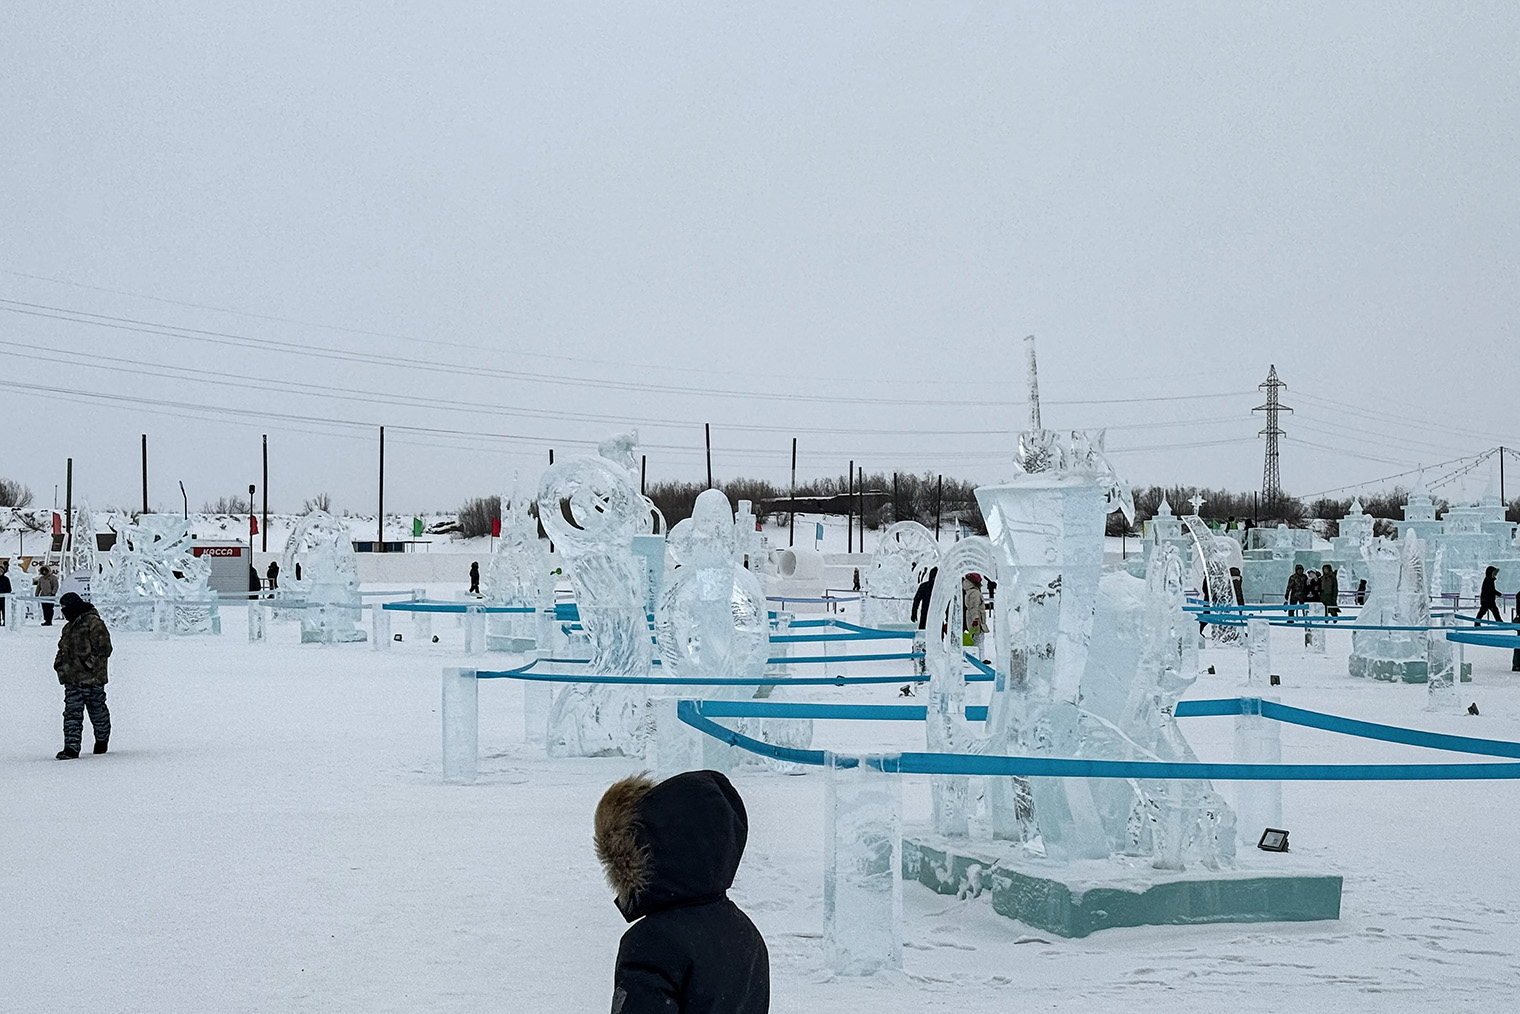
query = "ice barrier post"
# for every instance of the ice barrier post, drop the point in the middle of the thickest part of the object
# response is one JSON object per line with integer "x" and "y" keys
{"x": 677, "y": 746}
{"x": 537, "y": 697}
{"x": 461, "y": 725}
{"x": 1442, "y": 672}
{"x": 862, "y": 882}
{"x": 257, "y": 621}
{"x": 1314, "y": 636}
{"x": 422, "y": 621}
{"x": 1258, "y": 804}
{"x": 380, "y": 627}
{"x": 474, "y": 630}
{"x": 1258, "y": 652}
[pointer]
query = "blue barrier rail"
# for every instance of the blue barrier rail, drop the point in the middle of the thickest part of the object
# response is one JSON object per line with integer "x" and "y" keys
{"x": 696, "y": 715}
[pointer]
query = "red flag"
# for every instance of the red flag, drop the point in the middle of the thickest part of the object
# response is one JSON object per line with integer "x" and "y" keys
{"x": 496, "y": 528}
{"x": 253, "y": 524}
{"x": 57, "y": 524}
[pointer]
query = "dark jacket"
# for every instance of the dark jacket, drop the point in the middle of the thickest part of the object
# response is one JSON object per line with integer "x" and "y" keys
{"x": 670, "y": 851}
{"x": 920, "y": 614}
{"x": 1329, "y": 588}
{"x": 1488, "y": 595}
{"x": 1297, "y": 585}
{"x": 83, "y": 645}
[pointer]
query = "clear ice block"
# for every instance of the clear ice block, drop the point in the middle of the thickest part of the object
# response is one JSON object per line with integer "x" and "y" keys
{"x": 1258, "y": 804}
{"x": 862, "y": 881}
{"x": 461, "y": 725}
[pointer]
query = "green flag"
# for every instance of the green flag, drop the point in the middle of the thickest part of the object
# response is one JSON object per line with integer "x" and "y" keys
{"x": 416, "y": 528}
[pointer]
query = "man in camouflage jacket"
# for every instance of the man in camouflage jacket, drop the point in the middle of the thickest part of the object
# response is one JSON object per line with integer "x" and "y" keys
{"x": 83, "y": 648}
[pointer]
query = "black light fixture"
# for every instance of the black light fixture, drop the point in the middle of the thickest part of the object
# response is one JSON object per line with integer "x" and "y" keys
{"x": 1273, "y": 839}
{"x": 1275, "y": 680}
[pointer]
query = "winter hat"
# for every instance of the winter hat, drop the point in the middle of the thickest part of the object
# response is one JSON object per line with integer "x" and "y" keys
{"x": 72, "y": 605}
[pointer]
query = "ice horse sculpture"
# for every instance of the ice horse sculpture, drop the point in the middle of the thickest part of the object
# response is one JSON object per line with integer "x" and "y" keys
{"x": 518, "y": 577}
{"x": 1398, "y": 596}
{"x": 902, "y": 560}
{"x": 329, "y": 586}
{"x": 591, "y": 509}
{"x": 152, "y": 580}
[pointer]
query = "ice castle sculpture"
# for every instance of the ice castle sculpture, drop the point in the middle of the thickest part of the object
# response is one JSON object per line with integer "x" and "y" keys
{"x": 1397, "y": 595}
{"x": 902, "y": 560}
{"x": 152, "y": 580}
{"x": 518, "y": 576}
{"x": 591, "y": 509}
{"x": 329, "y": 585}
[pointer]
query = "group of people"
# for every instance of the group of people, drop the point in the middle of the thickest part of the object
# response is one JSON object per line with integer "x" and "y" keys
{"x": 976, "y": 598}
{"x": 1314, "y": 586}
{"x": 44, "y": 586}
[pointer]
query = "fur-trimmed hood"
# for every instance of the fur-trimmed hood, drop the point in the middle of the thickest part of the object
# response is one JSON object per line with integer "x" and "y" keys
{"x": 669, "y": 844}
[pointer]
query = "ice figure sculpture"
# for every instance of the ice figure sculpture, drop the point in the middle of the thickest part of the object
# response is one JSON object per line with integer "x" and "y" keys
{"x": 80, "y": 566}
{"x": 711, "y": 620}
{"x": 902, "y": 559}
{"x": 151, "y": 579}
{"x": 1397, "y": 595}
{"x": 518, "y": 576}
{"x": 591, "y": 509}
{"x": 1215, "y": 560}
{"x": 329, "y": 585}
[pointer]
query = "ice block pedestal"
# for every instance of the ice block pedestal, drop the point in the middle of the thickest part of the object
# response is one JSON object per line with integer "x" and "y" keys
{"x": 1077, "y": 899}
{"x": 461, "y": 725}
{"x": 862, "y": 895}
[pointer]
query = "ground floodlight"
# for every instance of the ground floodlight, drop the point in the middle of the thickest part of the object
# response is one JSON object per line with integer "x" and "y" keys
{"x": 1275, "y": 680}
{"x": 1273, "y": 839}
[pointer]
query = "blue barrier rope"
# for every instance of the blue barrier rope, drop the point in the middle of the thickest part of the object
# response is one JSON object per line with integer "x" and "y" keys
{"x": 1489, "y": 640}
{"x": 697, "y": 681}
{"x": 422, "y": 606}
{"x": 692, "y": 713}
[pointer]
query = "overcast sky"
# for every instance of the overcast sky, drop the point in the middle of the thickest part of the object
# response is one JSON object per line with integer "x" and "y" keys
{"x": 500, "y": 229}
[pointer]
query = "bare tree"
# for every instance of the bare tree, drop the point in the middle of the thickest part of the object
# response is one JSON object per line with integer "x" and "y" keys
{"x": 14, "y": 494}
{"x": 320, "y": 502}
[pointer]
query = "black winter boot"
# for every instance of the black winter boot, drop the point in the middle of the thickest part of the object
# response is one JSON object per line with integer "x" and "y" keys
{"x": 68, "y": 753}
{"x": 100, "y": 746}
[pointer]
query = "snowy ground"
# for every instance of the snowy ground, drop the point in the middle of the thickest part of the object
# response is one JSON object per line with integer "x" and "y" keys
{"x": 269, "y": 833}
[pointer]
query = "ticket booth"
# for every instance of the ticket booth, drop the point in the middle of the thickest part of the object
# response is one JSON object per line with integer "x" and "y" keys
{"x": 229, "y": 566}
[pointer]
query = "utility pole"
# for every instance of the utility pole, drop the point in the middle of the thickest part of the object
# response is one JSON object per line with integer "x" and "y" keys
{"x": 145, "y": 472}
{"x": 643, "y": 472}
{"x": 186, "y": 497}
{"x": 1271, "y": 478}
{"x": 68, "y": 504}
{"x": 849, "y": 509}
{"x": 380, "y": 521}
{"x": 896, "y": 508}
{"x": 791, "y": 527}
{"x": 264, "y": 536}
{"x": 707, "y": 431}
{"x": 939, "y": 500}
{"x": 860, "y": 506}
{"x": 253, "y": 569}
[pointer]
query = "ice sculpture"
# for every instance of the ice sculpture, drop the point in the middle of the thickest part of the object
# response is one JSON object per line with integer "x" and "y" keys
{"x": 902, "y": 560}
{"x": 518, "y": 576}
{"x": 151, "y": 579}
{"x": 1397, "y": 595}
{"x": 1215, "y": 560}
{"x": 80, "y": 565}
{"x": 1094, "y": 665}
{"x": 711, "y": 620}
{"x": 591, "y": 509}
{"x": 329, "y": 585}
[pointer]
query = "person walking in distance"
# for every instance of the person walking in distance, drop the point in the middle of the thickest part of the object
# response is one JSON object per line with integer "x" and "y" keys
{"x": 83, "y": 648}
{"x": 1488, "y": 596}
{"x": 5, "y": 594}
{"x": 475, "y": 578}
{"x": 273, "y": 574}
{"x": 920, "y": 616}
{"x": 1298, "y": 584}
{"x": 47, "y": 587}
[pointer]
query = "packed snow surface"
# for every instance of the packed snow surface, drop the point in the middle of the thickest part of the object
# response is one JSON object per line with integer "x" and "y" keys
{"x": 270, "y": 833}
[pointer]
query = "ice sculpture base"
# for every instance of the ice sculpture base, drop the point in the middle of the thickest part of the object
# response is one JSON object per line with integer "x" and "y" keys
{"x": 338, "y": 637}
{"x": 1081, "y": 898}
{"x": 1391, "y": 670}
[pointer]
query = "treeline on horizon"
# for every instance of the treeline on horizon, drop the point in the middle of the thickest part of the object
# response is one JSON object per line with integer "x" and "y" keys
{"x": 905, "y": 496}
